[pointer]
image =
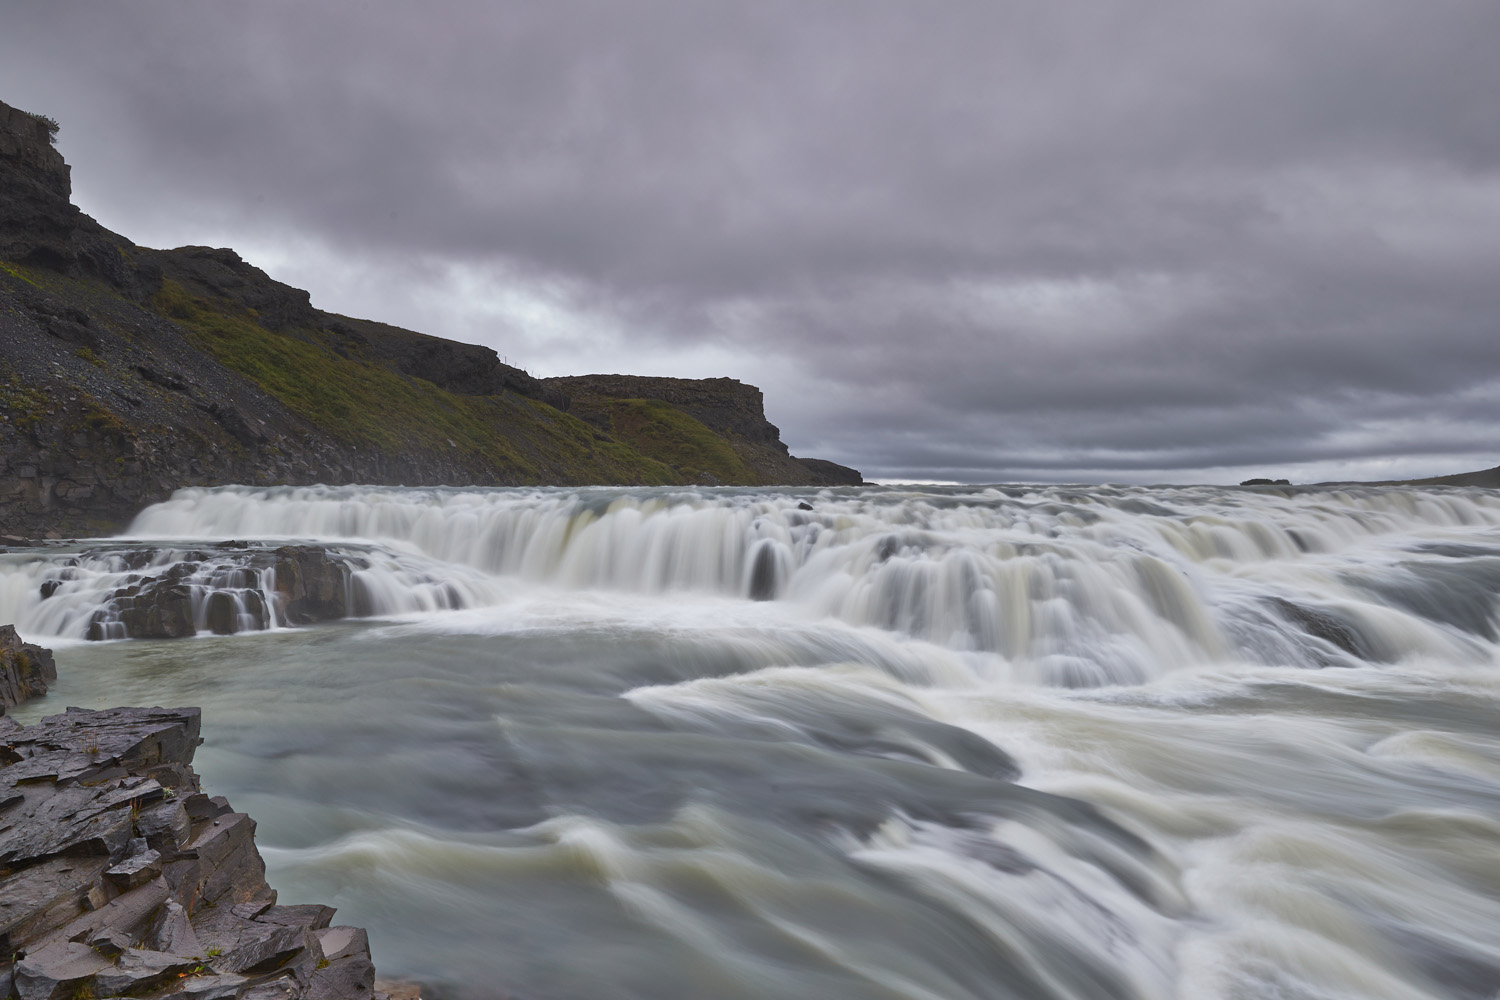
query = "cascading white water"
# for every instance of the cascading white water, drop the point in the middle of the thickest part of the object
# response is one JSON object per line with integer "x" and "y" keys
{"x": 1081, "y": 588}
{"x": 937, "y": 743}
{"x": 75, "y": 593}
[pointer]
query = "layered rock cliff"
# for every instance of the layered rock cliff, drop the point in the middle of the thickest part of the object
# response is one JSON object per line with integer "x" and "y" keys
{"x": 120, "y": 877}
{"x": 126, "y": 373}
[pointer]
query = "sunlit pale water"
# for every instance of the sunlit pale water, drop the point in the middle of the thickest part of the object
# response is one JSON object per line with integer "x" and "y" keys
{"x": 948, "y": 743}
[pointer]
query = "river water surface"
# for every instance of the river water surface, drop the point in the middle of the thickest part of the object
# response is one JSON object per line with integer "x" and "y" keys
{"x": 908, "y": 744}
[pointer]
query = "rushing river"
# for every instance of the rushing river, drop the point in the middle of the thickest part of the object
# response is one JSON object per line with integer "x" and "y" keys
{"x": 878, "y": 743}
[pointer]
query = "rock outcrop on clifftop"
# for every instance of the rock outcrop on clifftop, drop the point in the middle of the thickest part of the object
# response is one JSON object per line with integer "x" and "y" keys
{"x": 126, "y": 373}
{"x": 120, "y": 877}
{"x": 725, "y": 406}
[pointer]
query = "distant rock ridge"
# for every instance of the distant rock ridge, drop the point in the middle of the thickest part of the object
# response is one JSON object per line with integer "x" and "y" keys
{"x": 127, "y": 373}
{"x": 723, "y": 405}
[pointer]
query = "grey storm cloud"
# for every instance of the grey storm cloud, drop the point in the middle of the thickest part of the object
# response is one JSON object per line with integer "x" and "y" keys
{"x": 968, "y": 240}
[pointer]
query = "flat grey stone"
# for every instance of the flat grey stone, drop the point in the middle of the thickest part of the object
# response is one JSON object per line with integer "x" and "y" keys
{"x": 136, "y": 870}
{"x": 222, "y": 987}
{"x": 280, "y": 989}
{"x": 138, "y": 969}
{"x": 173, "y": 934}
{"x": 49, "y": 972}
{"x": 341, "y": 942}
{"x": 109, "y": 942}
{"x": 44, "y": 897}
{"x": 349, "y": 978}
{"x": 165, "y": 825}
{"x": 312, "y": 915}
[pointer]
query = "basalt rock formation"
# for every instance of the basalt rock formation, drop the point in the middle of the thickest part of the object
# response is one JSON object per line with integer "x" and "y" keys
{"x": 25, "y": 669}
{"x": 127, "y": 373}
{"x": 120, "y": 877}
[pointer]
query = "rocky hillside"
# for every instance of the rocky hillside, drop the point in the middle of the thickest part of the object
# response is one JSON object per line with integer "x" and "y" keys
{"x": 127, "y": 372}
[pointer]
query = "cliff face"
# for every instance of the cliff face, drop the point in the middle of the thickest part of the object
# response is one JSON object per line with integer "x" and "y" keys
{"x": 126, "y": 373}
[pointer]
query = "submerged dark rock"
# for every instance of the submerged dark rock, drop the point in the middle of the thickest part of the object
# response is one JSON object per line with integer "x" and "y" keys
{"x": 25, "y": 669}
{"x": 1322, "y": 623}
{"x": 312, "y": 586}
{"x": 162, "y": 609}
{"x": 121, "y": 876}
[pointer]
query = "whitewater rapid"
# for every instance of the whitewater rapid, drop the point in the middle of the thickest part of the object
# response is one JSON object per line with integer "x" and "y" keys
{"x": 875, "y": 742}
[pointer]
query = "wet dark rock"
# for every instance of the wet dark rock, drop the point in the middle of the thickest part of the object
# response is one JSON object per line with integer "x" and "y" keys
{"x": 25, "y": 669}
{"x": 161, "y": 610}
{"x": 763, "y": 575}
{"x": 349, "y": 972}
{"x": 139, "y": 969}
{"x": 310, "y": 585}
{"x": 223, "y": 615}
{"x": 122, "y": 877}
{"x": 164, "y": 825}
{"x": 138, "y": 869}
{"x": 1321, "y": 623}
{"x": 804, "y": 505}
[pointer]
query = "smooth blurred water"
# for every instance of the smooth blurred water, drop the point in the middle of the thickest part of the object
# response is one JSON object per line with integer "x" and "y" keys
{"x": 938, "y": 743}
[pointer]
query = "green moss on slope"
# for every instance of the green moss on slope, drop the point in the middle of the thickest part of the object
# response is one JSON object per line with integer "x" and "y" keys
{"x": 370, "y": 405}
{"x": 660, "y": 431}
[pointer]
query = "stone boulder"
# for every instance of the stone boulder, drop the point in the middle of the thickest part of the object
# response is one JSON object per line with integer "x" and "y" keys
{"x": 25, "y": 669}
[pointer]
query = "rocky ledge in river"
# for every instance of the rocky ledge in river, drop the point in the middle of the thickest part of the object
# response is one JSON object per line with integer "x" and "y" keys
{"x": 223, "y": 588}
{"x": 120, "y": 877}
{"x": 227, "y": 592}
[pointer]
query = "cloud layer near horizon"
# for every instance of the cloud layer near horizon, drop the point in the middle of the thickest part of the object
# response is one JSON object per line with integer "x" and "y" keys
{"x": 974, "y": 241}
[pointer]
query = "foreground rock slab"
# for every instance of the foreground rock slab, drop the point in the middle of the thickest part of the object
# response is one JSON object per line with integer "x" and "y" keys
{"x": 120, "y": 877}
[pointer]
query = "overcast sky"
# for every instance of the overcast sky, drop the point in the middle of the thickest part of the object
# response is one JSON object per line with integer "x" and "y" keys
{"x": 1001, "y": 240}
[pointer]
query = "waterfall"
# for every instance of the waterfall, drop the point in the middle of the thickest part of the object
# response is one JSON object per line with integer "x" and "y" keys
{"x": 1075, "y": 587}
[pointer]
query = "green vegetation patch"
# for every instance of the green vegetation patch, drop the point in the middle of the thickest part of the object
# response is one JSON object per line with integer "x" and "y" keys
{"x": 358, "y": 402}
{"x": 18, "y": 272}
{"x": 25, "y": 405}
{"x": 368, "y": 404}
{"x": 660, "y": 431}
